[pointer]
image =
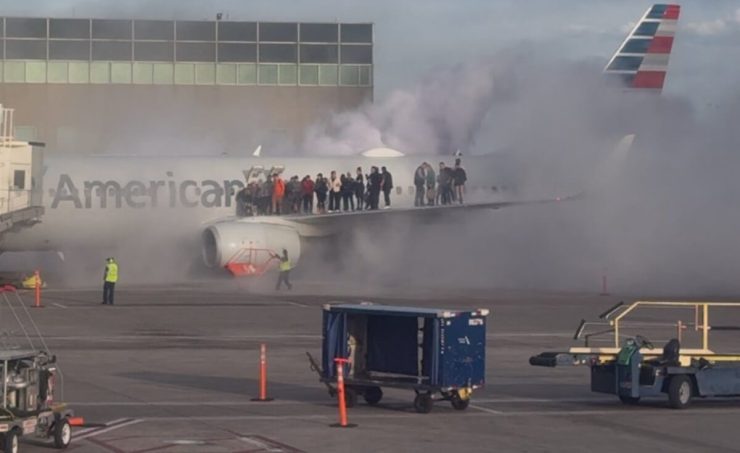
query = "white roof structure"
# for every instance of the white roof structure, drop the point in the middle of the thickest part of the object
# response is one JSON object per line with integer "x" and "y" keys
{"x": 382, "y": 152}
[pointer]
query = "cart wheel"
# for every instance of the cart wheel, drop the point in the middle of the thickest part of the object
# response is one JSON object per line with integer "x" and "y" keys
{"x": 423, "y": 403}
{"x": 458, "y": 403}
{"x": 373, "y": 395}
{"x": 679, "y": 391}
{"x": 629, "y": 400}
{"x": 350, "y": 397}
{"x": 62, "y": 433}
{"x": 10, "y": 441}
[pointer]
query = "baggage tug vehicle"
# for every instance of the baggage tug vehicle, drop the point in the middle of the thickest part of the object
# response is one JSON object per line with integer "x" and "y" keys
{"x": 631, "y": 367}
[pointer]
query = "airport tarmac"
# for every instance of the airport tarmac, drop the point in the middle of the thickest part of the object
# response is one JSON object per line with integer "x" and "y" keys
{"x": 173, "y": 369}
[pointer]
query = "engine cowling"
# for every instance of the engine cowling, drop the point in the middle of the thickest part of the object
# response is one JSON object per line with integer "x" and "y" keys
{"x": 223, "y": 242}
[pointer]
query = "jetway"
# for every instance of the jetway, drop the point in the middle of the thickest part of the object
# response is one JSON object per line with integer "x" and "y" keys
{"x": 21, "y": 171}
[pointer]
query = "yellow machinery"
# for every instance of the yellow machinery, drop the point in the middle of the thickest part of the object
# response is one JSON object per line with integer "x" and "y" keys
{"x": 627, "y": 364}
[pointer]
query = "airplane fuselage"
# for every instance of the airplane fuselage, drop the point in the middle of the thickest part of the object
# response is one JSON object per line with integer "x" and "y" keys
{"x": 93, "y": 201}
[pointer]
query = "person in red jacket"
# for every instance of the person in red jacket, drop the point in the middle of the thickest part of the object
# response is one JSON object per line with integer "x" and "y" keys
{"x": 307, "y": 187}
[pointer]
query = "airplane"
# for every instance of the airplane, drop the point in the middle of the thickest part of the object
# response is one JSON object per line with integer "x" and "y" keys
{"x": 92, "y": 202}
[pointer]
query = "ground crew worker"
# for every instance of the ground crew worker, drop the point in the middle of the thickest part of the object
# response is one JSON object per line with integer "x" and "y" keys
{"x": 109, "y": 281}
{"x": 284, "y": 267}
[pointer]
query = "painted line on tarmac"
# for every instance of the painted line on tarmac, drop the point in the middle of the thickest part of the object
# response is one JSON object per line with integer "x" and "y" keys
{"x": 296, "y": 304}
{"x": 485, "y": 409}
{"x": 194, "y": 403}
{"x": 542, "y": 400}
{"x": 261, "y": 445}
{"x": 59, "y": 305}
{"x": 181, "y": 337}
{"x": 108, "y": 427}
{"x": 488, "y": 413}
{"x": 287, "y": 402}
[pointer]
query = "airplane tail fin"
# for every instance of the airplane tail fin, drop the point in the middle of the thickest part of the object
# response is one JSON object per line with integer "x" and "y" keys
{"x": 641, "y": 62}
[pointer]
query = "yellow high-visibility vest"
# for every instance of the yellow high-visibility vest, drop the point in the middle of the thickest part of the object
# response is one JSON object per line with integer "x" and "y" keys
{"x": 284, "y": 265}
{"x": 111, "y": 274}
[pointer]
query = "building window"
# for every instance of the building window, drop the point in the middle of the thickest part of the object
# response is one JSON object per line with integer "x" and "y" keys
{"x": 19, "y": 179}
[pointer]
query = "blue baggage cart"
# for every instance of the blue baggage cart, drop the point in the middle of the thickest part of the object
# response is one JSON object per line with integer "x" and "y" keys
{"x": 440, "y": 354}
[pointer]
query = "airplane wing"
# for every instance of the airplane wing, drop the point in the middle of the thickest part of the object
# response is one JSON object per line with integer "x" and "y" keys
{"x": 248, "y": 245}
{"x": 412, "y": 213}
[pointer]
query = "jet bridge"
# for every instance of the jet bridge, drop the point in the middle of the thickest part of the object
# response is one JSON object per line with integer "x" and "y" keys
{"x": 21, "y": 172}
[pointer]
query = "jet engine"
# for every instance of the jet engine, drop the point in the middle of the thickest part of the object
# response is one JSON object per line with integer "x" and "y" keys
{"x": 227, "y": 241}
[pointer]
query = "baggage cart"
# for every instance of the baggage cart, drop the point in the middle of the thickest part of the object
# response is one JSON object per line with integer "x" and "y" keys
{"x": 437, "y": 353}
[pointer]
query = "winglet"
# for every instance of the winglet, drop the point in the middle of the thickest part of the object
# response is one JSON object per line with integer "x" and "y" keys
{"x": 641, "y": 62}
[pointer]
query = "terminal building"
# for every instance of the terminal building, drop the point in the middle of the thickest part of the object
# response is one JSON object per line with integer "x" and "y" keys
{"x": 96, "y": 86}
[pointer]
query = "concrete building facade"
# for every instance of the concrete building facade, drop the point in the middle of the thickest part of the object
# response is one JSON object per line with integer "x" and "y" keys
{"x": 87, "y": 86}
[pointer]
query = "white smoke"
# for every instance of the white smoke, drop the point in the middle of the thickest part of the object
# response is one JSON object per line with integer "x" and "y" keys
{"x": 441, "y": 114}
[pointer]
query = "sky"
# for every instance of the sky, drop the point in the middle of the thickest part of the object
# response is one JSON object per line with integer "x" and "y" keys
{"x": 414, "y": 37}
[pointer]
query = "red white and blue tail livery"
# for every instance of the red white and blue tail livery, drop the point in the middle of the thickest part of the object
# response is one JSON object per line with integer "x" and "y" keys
{"x": 642, "y": 59}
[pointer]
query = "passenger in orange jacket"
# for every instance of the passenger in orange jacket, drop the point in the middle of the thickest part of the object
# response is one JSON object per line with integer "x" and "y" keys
{"x": 278, "y": 192}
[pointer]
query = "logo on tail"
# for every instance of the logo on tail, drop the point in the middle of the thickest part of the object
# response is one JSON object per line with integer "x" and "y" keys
{"x": 642, "y": 59}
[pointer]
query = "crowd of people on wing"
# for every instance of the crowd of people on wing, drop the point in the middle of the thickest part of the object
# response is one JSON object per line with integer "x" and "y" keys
{"x": 345, "y": 192}
{"x": 334, "y": 193}
{"x": 446, "y": 187}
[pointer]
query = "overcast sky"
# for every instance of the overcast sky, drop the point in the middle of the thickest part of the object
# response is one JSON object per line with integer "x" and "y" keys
{"x": 414, "y": 36}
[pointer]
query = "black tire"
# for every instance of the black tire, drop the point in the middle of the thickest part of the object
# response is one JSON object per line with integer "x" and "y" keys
{"x": 373, "y": 395}
{"x": 11, "y": 441}
{"x": 62, "y": 434}
{"x": 350, "y": 397}
{"x": 423, "y": 403}
{"x": 459, "y": 404}
{"x": 680, "y": 391}
{"x": 629, "y": 400}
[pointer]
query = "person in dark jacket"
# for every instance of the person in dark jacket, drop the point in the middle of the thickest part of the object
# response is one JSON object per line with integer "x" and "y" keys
{"x": 445, "y": 183}
{"x": 431, "y": 183}
{"x": 348, "y": 192}
{"x": 375, "y": 181}
{"x": 321, "y": 188}
{"x": 419, "y": 183}
{"x": 459, "y": 177}
{"x": 359, "y": 188}
{"x": 387, "y": 185}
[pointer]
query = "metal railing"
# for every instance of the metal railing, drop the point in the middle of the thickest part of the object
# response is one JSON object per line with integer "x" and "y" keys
{"x": 615, "y": 319}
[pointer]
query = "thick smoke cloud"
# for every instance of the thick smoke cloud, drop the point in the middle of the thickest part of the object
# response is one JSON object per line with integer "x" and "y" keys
{"x": 441, "y": 114}
{"x": 661, "y": 220}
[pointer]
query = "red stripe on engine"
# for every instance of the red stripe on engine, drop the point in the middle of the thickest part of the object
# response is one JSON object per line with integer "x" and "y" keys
{"x": 649, "y": 79}
{"x": 661, "y": 44}
{"x": 671, "y": 12}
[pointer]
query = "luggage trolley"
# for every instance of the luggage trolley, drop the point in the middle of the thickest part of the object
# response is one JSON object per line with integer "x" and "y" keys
{"x": 431, "y": 351}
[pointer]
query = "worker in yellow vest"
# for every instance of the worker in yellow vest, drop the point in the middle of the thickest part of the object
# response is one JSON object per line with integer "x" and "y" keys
{"x": 109, "y": 280}
{"x": 284, "y": 267}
